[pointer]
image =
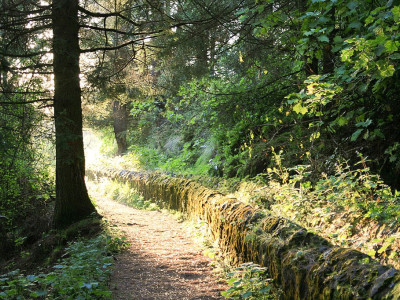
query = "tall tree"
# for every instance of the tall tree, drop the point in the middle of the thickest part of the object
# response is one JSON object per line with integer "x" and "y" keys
{"x": 26, "y": 25}
{"x": 72, "y": 199}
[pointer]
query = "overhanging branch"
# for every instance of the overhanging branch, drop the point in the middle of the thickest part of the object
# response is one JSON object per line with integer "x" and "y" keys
{"x": 107, "y": 15}
{"x": 24, "y": 55}
{"x": 118, "y": 46}
{"x": 25, "y": 102}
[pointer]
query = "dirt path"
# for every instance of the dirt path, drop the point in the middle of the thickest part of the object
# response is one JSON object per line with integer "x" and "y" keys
{"x": 162, "y": 261}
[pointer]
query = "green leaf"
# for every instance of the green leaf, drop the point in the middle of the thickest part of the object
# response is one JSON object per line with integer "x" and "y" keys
{"x": 300, "y": 109}
{"x": 58, "y": 267}
{"x": 39, "y": 293}
{"x": 356, "y": 134}
{"x": 338, "y": 39}
{"x": 248, "y": 294}
{"x": 366, "y": 135}
{"x": 388, "y": 71}
{"x": 314, "y": 136}
{"x": 363, "y": 87}
{"x": 342, "y": 121}
{"x": 87, "y": 285}
{"x": 265, "y": 289}
{"x": 378, "y": 133}
{"x": 346, "y": 54}
{"x": 232, "y": 280}
{"x": 323, "y": 20}
{"x": 364, "y": 124}
{"x": 395, "y": 56}
{"x": 31, "y": 277}
{"x": 308, "y": 33}
{"x": 385, "y": 246}
{"x": 352, "y": 5}
{"x": 369, "y": 20}
{"x": 323, "y": 38}
{"x": 391, "y": 46}
{"x": 355, "y": 25}
{"x": 396, "y": 13}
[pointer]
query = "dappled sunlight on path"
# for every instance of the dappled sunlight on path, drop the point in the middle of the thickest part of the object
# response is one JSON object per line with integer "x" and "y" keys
{"x": 162, "y": 261}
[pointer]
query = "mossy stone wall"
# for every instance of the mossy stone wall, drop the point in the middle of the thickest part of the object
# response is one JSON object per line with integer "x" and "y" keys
{"x": 303, "y": 264}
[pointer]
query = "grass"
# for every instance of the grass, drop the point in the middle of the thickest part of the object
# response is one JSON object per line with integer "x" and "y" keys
{"x": 121, "y": 192}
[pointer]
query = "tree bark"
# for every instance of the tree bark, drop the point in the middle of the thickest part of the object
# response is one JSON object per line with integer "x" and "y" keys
{"x": 120, "y": 120}
{"x": 329, "y": 57}
{"x": 72, "y": 199}
{"x": 4, "y": 68}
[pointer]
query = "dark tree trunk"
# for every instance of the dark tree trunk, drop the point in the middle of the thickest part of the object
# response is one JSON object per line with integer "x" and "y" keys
{"x": 311, "y": 63}
{"x": 329, "y": 57}
{"x": 72, "y": 199}
{"x": 4, "y": 68}
{"x": 120, "y": 119}
{"x": 311, "y": 68}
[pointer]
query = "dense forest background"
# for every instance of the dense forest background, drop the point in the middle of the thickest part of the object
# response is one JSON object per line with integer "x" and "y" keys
{"x": 266, "y": 89}
{"x": 313, "y": 80}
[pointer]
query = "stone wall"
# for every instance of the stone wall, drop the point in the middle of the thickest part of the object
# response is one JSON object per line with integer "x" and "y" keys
{"x": 303, "y": 264}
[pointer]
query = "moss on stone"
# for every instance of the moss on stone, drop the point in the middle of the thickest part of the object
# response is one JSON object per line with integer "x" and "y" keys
{"x": 305, "y": 265}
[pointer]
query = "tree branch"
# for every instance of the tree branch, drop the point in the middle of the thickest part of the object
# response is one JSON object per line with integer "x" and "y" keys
{"x": 37, "y": 66}
{"x": 23, "y": 93}
{"x": 106, "y": 15}
{"x": 24, "y": 102}
{"x": 116, "y": 47}
{"x": 251, "y": 90}
{"x": 103, "y": 29}
{"x": 24, "y": 21}
{"x": 24, "y": 55}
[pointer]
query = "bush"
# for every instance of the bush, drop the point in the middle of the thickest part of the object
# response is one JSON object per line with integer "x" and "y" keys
{"x": 250, "y": 281}
{"x": 83, "y": 273}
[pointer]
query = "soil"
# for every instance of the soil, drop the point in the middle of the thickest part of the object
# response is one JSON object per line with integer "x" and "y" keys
{"x": 162, "y": 262}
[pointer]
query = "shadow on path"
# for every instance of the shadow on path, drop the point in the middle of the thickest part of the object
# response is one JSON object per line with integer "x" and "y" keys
{"x": 162, "y": 262}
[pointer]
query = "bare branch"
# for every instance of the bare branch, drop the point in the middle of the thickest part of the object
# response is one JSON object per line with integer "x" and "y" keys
{"x": 24, "y": 93}
{"x": 106, "y": 15}
{"x": 24, "y": 55}
{"x": 118, "y": 46}
{"x": 37, "y": 66}
{"x": 24, "y": 102}
{"x": 104, "y": 29}
{"x": 23, "y": 21}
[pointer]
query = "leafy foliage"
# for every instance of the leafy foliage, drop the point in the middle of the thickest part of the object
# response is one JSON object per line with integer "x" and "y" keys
{"x": 26, "y": 175}
{"x": 250, "y": 281}
{"x": 82, "y": 274}
{"x": 343, "y": 206}
{"x": 123, "y": 192}
{"x": 314, "y": 79}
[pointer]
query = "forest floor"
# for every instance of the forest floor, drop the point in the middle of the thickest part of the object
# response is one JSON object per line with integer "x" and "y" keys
{"x": 162, "y": 261}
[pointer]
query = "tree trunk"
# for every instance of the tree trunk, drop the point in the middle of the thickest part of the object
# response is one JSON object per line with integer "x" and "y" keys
{"x": 120, "y": 118}
{"x": 72, "y": 199}
{"x": 329, "y": 57}
{"x": 4, "y": 68}
{"x": 311, "y": 63}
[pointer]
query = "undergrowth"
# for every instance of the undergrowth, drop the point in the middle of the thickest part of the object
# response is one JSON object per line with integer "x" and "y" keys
{"x": 250, "y": 281}
{"x": 82, "y": 273}
{"x": 337, "y": 206}
{"x": 123, "y": 193}
{"x": 353, "y": 188}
